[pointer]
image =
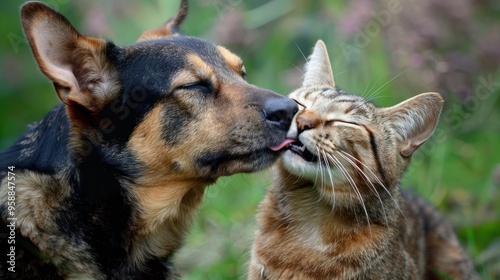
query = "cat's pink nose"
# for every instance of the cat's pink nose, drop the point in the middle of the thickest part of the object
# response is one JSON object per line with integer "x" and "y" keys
{"x": 307, "y": 120}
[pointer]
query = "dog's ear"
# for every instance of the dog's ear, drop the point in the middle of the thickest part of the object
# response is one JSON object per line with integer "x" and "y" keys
{"x": 171, "y": 27}
{"x": 77, "y": 65}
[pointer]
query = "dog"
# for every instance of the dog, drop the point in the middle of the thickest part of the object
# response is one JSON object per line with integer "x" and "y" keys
{"x": 106, "y": 185}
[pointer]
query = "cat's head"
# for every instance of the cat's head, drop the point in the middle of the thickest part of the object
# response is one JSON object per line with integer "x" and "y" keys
{"x": 345, "y": 140}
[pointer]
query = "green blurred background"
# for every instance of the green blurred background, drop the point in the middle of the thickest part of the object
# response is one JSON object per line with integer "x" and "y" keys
{"x": 387, "y": 49}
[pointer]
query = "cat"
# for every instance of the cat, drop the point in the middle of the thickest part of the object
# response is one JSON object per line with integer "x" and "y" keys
{"x": 335, "y": 209}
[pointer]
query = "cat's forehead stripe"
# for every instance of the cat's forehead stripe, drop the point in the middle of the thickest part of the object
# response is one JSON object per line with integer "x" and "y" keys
{"x": 346, "y": 100}
{"x": 350, "y": 109}
{"x": 330, "y": 92}
{"x": 307, "y": 93}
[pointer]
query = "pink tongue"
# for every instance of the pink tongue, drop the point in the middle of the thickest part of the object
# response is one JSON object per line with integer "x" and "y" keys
{"x": 283, "y": 144}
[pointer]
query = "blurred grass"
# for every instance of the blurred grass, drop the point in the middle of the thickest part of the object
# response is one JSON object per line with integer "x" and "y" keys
{"x": 458, "y": 169}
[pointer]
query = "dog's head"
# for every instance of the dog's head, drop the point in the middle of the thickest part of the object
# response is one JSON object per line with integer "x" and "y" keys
{"x": 176, "y": 106}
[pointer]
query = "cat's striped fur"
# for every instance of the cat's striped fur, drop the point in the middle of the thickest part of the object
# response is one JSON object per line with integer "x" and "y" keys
{"x": 335, "y": 209}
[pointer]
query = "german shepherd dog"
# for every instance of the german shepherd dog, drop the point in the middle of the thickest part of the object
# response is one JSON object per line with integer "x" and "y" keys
{"x": 105, "y": 186}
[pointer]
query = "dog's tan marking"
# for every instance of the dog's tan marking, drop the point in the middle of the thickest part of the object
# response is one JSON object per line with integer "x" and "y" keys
{"x": 197, "y": 71}
{"x": 166, "y": 214}
{"x": 157, "y": 156}
{"x": 166, "y": 30}
{"x": 233, "y": 61}
{"x": 156, "y": 33}
{"x": 201, "y": 69}
{"x": 183, "y": 77}
{"x": 168, "y": 192}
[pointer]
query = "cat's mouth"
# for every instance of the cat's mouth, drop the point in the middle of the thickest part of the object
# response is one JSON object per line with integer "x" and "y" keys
{"x": 299, "y": 149}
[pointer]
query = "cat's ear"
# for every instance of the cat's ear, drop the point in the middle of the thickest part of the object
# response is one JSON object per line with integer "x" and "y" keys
{"x": 414, "y": 120}
{"x": 171, "y": 27}
{"x": 77, "y": 65}
{"x": 318, "y": 68}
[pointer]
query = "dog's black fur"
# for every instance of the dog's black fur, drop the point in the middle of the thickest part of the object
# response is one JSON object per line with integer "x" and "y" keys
{"x": 107, "y": 183}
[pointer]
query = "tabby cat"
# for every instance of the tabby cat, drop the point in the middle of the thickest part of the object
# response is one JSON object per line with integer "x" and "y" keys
{"x": 335, "y": 209}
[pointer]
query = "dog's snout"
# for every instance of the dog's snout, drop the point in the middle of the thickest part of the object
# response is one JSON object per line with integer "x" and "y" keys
{"x": 279, "y": 111}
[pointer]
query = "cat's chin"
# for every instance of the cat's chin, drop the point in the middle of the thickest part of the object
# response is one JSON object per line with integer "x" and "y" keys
{"x": 299, "y": 166}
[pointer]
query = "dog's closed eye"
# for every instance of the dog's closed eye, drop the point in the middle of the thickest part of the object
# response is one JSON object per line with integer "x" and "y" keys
{"x": 201, "y": 86}
{"x": 243, "y": 73}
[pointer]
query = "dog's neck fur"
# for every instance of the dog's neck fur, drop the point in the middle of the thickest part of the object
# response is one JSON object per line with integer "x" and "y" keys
{"x": 99, "y": 186}
{"x": 160, "y": 233}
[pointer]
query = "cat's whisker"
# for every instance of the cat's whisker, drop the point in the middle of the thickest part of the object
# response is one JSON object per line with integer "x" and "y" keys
{"x": 303, "y": 55}
{"x": 367, "y": 91}
{"x": 371, "y": 99}
{"x": 386, "y": 83}
{"x": 339, "y": 166}
{"x": 298, "y": 178}
{"x": 340, "y": 73}
{"x": 358, "y": 193}
{"x": 371, "y": 172}
{"x": 351, "y": 181}
{"x": 327, "y": 165}
{"x": 367, "y": 181}
{"x": 377, "y": 179}
{"x": 329, "y": 170}
{"x": 319, "y": 170}
{"x": 321, "y": 173}
{"x": 298, "y": 68}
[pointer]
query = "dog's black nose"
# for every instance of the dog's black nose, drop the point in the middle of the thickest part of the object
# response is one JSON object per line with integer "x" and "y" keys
{"x": 279, "y": 111}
